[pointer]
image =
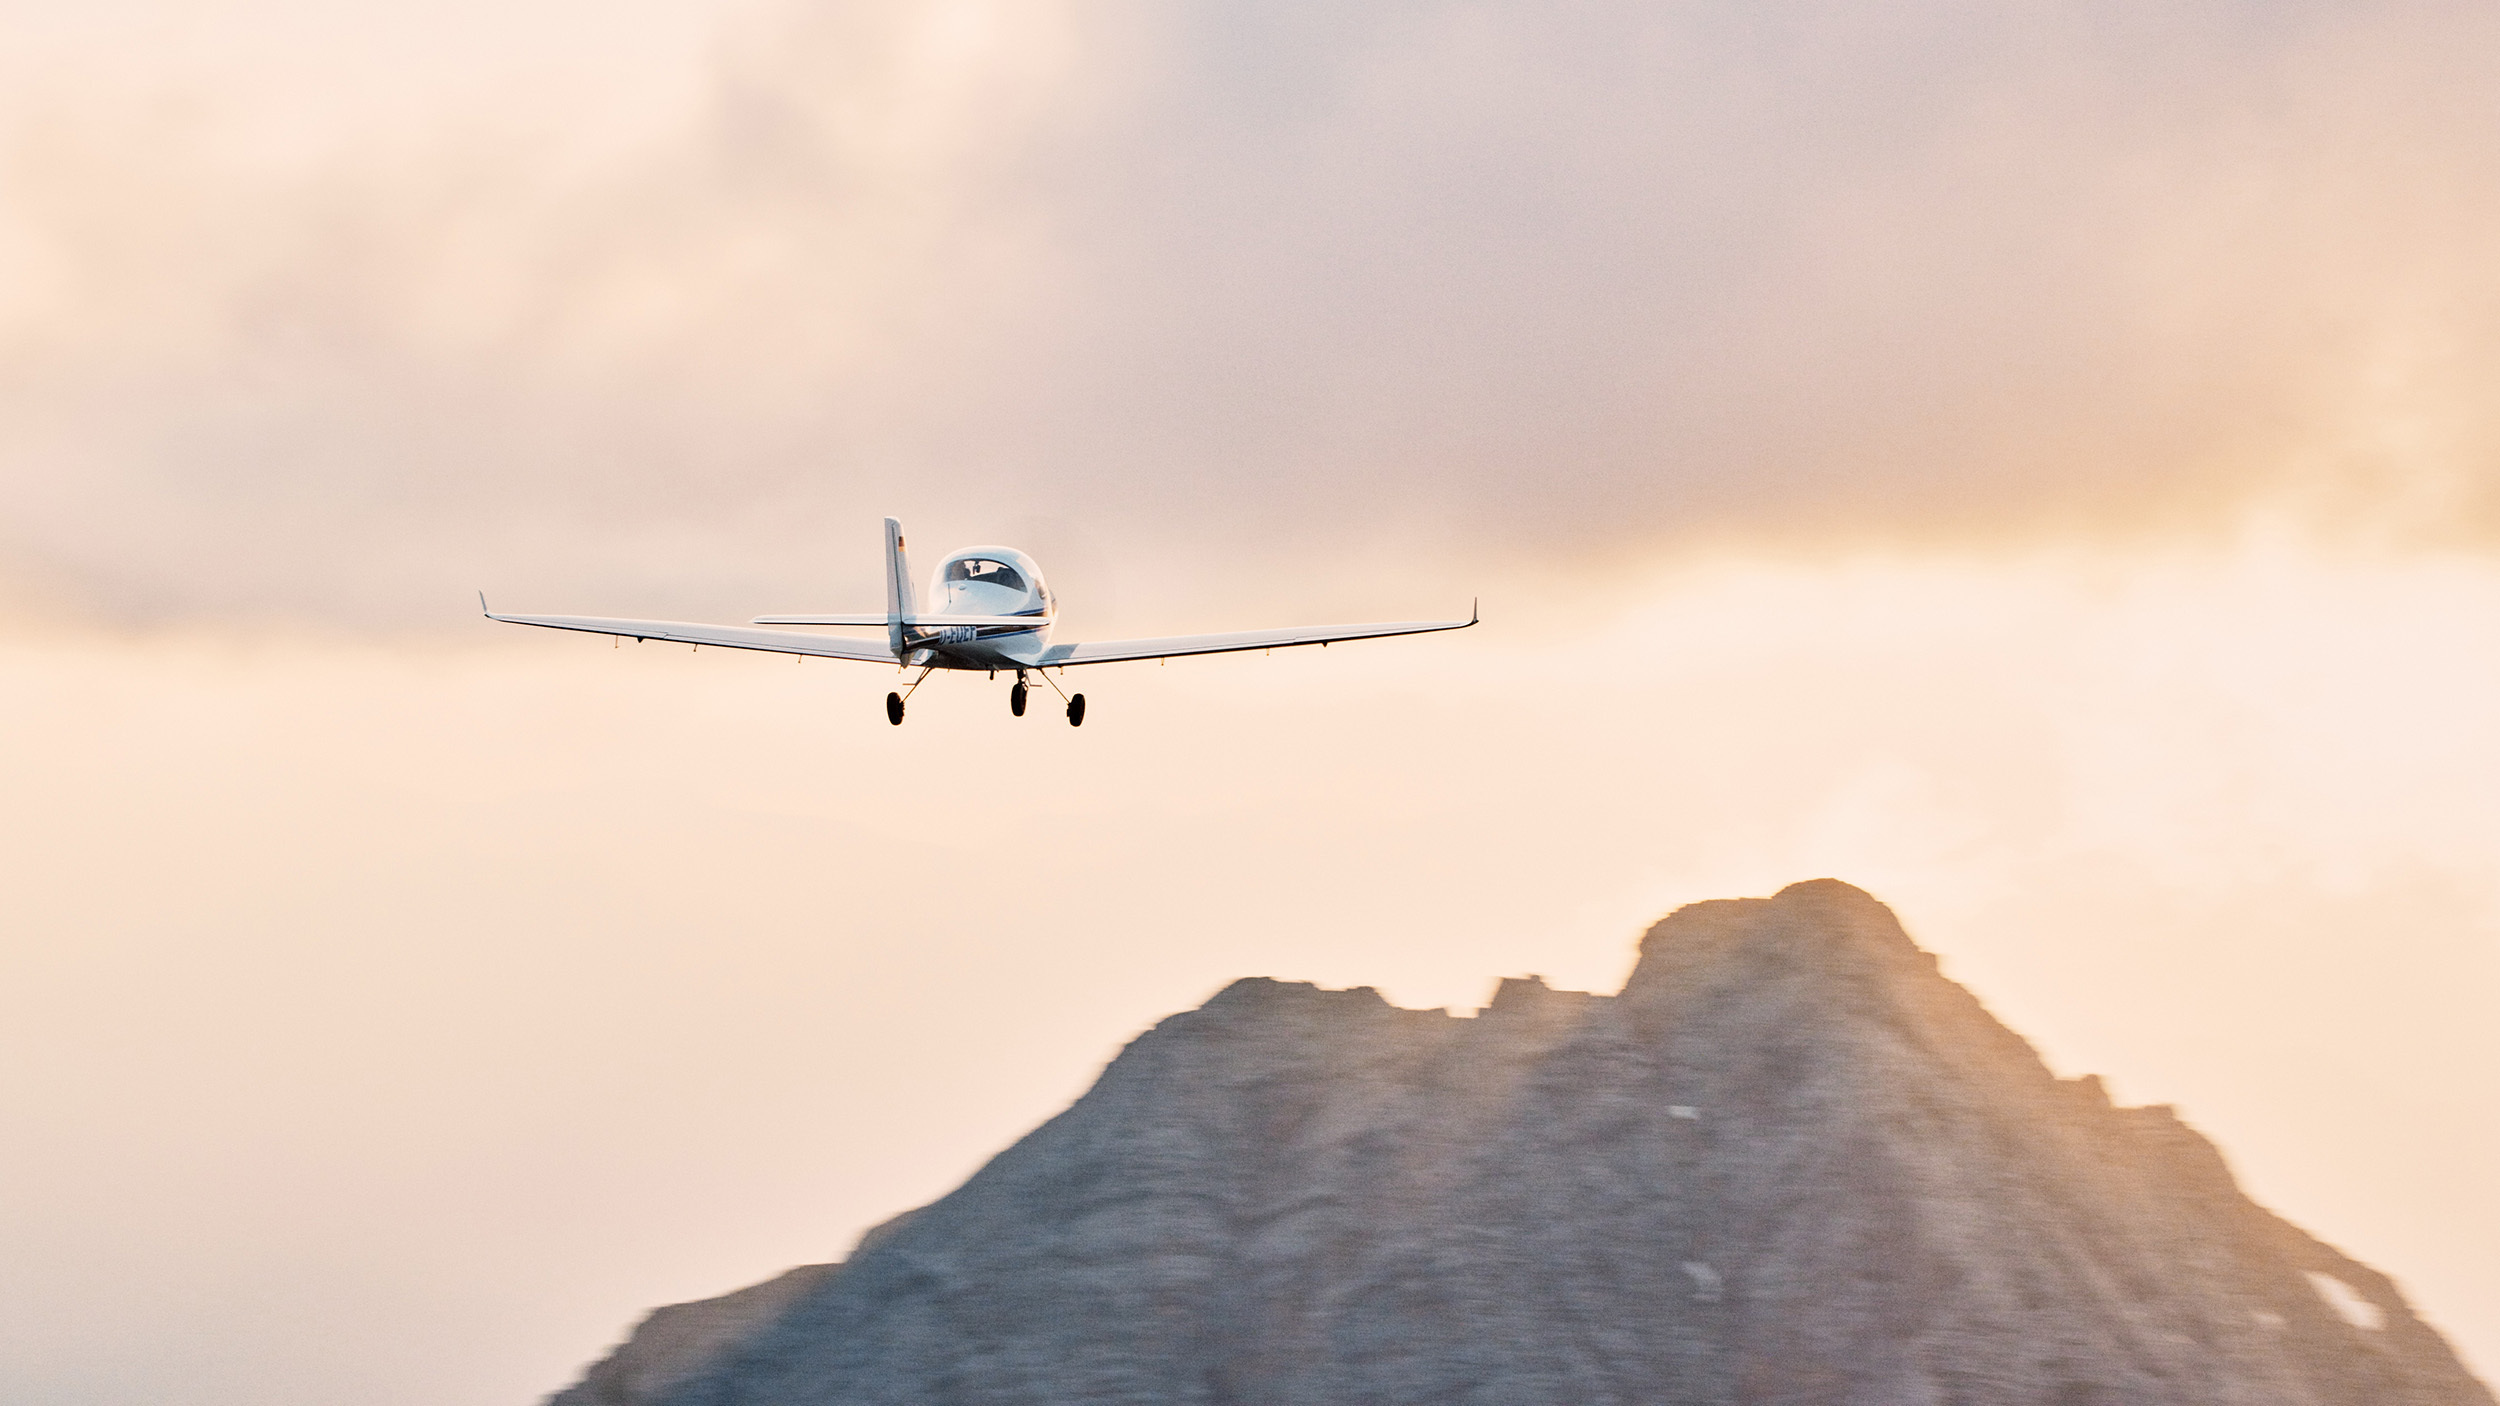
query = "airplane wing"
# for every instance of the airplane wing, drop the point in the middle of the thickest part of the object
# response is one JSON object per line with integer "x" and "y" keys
{"x": 1114, "y": 651}
{"x": 725, "y": 636}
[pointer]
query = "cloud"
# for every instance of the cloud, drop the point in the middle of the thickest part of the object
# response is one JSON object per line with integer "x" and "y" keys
{"x": 1554, "y": 284}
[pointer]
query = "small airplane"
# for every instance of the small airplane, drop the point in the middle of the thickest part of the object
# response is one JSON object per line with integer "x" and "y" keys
{"x": 988, "y": 611}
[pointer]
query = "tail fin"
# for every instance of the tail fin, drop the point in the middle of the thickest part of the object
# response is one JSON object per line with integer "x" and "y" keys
{"x": 900, "y": 601}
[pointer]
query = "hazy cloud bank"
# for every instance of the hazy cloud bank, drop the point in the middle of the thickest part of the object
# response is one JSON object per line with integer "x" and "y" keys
{"x": 390, "y": 1023}
{"x": 1556, "y": 283}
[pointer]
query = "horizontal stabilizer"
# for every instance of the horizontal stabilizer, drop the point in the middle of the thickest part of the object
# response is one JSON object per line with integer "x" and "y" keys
{"x": 917, "y": 622}
{"x": 720, "y": 636}
{"x": 986, "y": 622}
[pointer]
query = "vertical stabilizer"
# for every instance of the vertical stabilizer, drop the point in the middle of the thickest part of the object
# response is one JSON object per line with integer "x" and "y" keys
{"x": 899, "y": 605}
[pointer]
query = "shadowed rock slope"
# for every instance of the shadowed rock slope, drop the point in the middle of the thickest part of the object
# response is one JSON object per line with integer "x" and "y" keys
{"x": 1789, "y": 1163}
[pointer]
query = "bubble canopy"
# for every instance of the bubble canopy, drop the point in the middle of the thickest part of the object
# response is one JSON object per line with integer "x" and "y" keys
{"x": 984, "y": 571}
{"x": 995, "y": 568}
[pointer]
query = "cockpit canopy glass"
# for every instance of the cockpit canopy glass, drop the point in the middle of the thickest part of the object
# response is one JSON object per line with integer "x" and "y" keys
{"x": 982, "y": 571}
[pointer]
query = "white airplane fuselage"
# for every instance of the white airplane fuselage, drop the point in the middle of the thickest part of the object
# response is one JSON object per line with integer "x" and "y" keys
{"x": 987, "y": 583}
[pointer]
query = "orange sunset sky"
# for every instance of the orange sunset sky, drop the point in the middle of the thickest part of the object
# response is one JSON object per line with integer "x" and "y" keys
{"x": 2036, "y": 461}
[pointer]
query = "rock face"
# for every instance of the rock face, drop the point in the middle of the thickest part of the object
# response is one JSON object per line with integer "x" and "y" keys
{"x": 675, "y": 1341}
{"x": 1789, "y": 1163}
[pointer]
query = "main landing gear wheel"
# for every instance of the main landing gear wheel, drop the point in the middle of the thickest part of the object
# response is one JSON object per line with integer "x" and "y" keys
{"x": 894, "y": 709}
{"x": 1015, "y": 700}
{"x": 1076, "y": 711}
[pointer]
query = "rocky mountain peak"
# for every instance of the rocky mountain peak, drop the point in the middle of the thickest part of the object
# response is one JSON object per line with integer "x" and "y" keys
{"x": 1789, "y": 1163}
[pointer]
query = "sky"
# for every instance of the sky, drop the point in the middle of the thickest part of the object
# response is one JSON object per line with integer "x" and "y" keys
{"x": 2028, "y": 460}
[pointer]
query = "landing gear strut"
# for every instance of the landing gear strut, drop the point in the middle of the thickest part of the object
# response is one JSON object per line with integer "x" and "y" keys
{"x": 1076, "y": 702}
{"x": 894, "y": 701}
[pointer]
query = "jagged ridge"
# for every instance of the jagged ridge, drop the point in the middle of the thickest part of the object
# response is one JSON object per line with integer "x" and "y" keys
{"x": 1789, "y": 1163}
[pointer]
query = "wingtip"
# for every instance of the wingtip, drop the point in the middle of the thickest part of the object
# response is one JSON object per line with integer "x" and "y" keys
{"x": 1472, "y": 609}
{"x": 481, "y": 606}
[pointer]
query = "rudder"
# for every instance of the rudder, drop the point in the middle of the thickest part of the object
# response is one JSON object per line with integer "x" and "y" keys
{"x": 900, "y": 603}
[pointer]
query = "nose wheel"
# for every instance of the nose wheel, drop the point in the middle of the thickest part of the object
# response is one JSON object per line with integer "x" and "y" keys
{"x": 1015, "y": 699}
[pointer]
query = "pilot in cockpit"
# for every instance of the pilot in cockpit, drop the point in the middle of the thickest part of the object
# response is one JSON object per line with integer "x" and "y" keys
{"x": 983, "y": 572}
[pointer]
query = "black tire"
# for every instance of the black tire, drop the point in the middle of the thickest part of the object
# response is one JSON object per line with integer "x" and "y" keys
{"x": 1076, "y": 711}
{"x": 1015, "y": 700}
{"x": 894, "y": 709}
